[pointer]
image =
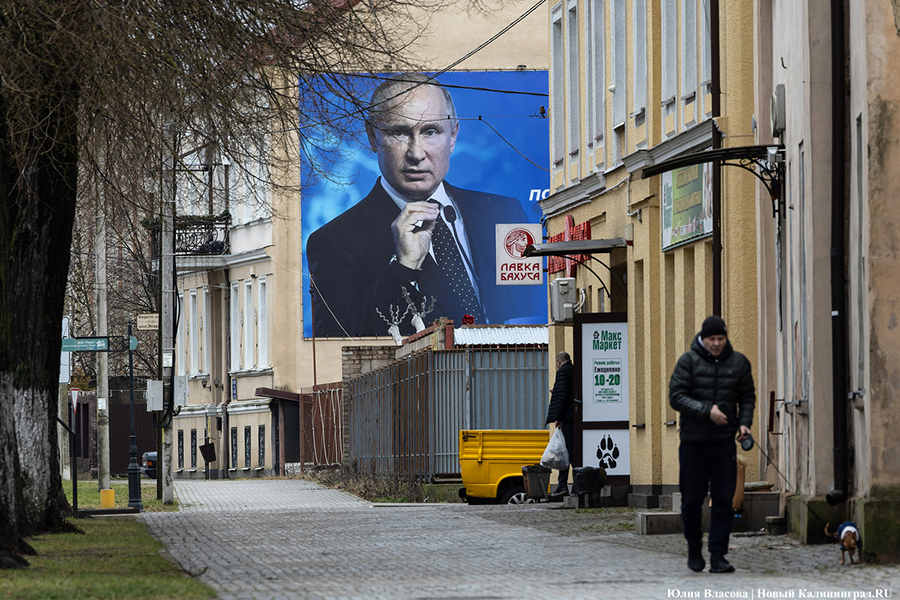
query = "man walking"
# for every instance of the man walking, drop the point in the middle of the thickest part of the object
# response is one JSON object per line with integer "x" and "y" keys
{"x": 562, "y": 413}
{"x": 712, "y": 388}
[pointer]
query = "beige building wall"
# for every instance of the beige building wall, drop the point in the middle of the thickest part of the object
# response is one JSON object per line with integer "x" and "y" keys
{"x": 599, "y": 181}
{"x": 794, "y": 50}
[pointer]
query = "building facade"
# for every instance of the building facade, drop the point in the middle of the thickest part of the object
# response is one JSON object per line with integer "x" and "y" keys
{"x": 826, "y": 92}
{"x": 634, "y": 84}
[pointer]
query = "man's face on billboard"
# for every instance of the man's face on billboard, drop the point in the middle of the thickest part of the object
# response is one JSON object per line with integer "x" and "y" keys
{"x": 413, "y": 137}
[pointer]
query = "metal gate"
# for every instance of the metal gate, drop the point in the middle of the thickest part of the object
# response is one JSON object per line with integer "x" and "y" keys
{"x": 405, "y": 418}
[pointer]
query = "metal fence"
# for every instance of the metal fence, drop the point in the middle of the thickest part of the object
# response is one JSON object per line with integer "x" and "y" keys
{"x": 320, "y": 425}
{"x": 405, "y": 418}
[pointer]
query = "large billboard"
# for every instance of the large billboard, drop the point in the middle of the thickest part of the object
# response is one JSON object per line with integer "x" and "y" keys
{"x": 402, "y": 231}
{"x": 686, "y": 204}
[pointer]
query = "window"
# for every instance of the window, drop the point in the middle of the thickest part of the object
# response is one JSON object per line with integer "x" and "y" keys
{"x": 705, "y": 48}
{"x": 193, "y": 448}
{"x": 180, "y": 354}
{"x": 206, "y": 330}
{"x": 595, "y": 70}
{"x": 248, "y": 324}
{"x": 234, "y": 448}
{"x": 688, "y": 51}
{"x": 234, "y": 333}
{"x": 557, "y": 92}
{"x": 618, "y": 62}
{"x": 261, "y": 446}
{"x": 194, "y": 333}
{"x": 572, "y": 77}
{"x": 181, "y": 448}
{"x": 263, "y": 323}
{"x": 639, "y": 45}
{"x": 247, "y": 448}
{"x": 669, "y": 60}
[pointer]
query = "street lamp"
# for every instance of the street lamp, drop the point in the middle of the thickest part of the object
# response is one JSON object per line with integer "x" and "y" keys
{"x": 134, "y": 469}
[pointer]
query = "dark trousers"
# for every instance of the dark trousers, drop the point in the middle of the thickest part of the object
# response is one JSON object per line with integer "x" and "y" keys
{"x": 568, "y": 431}
{"x": 707, "y": 468}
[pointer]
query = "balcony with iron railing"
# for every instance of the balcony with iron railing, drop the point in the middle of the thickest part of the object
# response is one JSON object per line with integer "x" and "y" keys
{"x": 195, "y": 235}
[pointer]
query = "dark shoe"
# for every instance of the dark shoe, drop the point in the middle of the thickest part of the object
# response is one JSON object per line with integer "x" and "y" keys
{"x": 718, "y": 564}
{"x": 560, "y": 491}
{"x": 695, "y": 561}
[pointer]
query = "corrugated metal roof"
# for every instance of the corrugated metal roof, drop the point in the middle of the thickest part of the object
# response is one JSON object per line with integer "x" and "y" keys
{"x": 503, "y": 335}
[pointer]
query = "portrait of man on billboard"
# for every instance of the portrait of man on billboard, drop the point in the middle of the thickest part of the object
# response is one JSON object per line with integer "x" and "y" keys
{"x": 414, "y": 239}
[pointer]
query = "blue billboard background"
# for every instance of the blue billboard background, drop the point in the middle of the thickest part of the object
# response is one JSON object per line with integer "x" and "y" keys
{"x": 481, "y": 159}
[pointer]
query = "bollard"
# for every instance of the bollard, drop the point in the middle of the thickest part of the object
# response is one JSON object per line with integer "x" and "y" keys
{"x": 107, "y": 498}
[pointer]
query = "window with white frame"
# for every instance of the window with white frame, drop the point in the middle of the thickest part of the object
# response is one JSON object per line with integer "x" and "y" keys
{"x": 194, "y": 333}
{"x": 180, "y": 354}
{"x": 234, "y": 333}
{"x": 595, "y": 70}
{"x": 688, "y": 51}
{"x": 248, "y": 324}
{"x": 573, "y": 76}
{"x": 206, "y": 328}
{"x": 669, "y": 58}
{"x": 705, "y": 49}
{"x": 557, "y": 91}
{"x": 639, "y": 59}
{"x": 617, "y": 9}
{"x": 263, "y": 323}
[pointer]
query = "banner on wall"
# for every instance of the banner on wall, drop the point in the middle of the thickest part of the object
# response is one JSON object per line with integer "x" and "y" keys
{"x": 355, "y": 283}
{"x": 686, "y": 204}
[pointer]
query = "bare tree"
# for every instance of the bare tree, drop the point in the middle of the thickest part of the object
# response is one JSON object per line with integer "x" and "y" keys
{"x": 100, "y": 92}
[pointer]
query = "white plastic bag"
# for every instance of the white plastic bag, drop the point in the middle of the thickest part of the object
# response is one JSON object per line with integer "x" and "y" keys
{"x": 556, "y": 456}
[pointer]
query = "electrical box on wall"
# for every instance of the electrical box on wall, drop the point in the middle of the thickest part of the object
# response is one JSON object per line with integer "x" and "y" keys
{"x": 154, "y": 395}
{"x": 562, "y": 299}
{"x": 181, "y": 390}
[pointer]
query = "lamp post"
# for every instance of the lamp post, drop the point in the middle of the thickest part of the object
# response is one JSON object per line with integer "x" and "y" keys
{"x": 134, "y": 469}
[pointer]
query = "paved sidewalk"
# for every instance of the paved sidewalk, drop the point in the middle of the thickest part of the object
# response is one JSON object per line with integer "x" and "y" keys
{"x": 293, "y": 539}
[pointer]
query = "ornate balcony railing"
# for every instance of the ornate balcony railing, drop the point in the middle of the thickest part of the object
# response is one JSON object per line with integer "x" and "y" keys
{"x": 195, "y": 235}
{"x": 202, "y": 235}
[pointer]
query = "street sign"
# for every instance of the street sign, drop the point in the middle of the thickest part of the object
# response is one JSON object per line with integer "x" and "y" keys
{"x": 148, "y": 322}
{"x": 86, "y": 344}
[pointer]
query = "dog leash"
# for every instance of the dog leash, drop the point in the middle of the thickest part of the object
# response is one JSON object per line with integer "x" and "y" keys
{"x": 747, "y": 445}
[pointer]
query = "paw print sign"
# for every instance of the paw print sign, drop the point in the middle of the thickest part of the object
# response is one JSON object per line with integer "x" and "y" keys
{"x": 607, "y": 452}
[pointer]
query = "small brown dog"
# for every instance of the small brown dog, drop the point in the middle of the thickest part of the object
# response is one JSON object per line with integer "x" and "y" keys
{"x": 849, "y": 537}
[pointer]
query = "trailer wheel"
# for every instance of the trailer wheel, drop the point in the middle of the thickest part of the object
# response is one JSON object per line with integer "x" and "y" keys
{"x": 516, "y": 495}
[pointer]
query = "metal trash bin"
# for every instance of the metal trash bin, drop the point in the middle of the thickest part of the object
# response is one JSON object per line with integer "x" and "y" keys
{"x": 588, "y": 480}
{"x": 537, "y": 481}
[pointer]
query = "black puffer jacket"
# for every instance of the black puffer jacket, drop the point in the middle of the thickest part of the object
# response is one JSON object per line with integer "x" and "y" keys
{"x": 701, "y": 380}
{"x": 562, "y": 398}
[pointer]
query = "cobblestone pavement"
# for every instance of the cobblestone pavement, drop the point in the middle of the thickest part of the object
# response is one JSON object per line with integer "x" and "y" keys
{"x": 294, "y": 539}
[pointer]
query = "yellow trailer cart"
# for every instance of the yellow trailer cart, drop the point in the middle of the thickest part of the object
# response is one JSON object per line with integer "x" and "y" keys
{"x": 491, "y": 462}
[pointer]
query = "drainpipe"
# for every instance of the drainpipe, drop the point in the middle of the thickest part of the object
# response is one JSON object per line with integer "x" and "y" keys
{"x": 715, "y": 86}
{"x": 838, "y": 279}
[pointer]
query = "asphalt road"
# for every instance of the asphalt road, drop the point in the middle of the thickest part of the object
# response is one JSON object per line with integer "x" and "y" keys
{"x": 295, "y": 539}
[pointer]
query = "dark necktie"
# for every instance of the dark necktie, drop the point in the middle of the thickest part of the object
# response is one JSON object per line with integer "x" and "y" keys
{"x": 449, "y": 259}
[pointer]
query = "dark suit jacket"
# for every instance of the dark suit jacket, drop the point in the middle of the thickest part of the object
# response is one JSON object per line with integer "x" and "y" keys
{"x": 350, "y": 263}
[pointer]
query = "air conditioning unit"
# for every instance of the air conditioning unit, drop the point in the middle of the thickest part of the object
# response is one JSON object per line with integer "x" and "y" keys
{"x": 562, "y": 299}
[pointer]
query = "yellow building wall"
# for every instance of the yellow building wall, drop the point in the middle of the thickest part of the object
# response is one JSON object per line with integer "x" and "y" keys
{"x": 669, "y": 294}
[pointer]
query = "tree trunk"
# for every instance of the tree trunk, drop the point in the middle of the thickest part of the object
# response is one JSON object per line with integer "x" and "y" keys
{"x": 37, "y": 210}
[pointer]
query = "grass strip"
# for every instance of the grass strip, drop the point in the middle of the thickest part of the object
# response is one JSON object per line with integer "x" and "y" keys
{"x": 89, "y": 495}
{"x": 114, "y": 558}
